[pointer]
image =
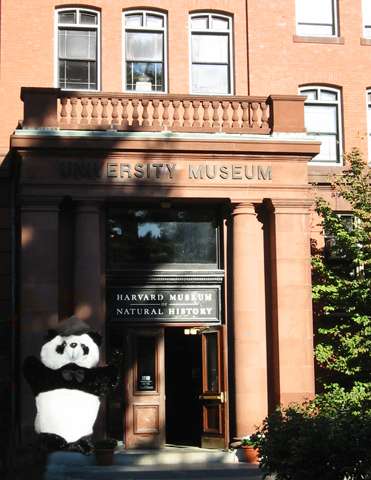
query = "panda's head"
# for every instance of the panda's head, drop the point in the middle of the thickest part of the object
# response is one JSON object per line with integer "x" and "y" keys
{"x": 71, "y": 342}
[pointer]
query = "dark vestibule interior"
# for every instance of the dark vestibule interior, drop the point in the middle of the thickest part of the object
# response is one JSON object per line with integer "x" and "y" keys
{"x": 183, "y": 379}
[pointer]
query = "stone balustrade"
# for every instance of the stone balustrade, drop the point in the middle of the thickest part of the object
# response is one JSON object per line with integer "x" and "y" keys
{"x": 69, "y": 110}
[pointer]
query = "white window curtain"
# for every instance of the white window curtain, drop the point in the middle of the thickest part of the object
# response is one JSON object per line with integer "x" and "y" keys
{"x": 366, "y": 13}
{"x": 316, "y": 17}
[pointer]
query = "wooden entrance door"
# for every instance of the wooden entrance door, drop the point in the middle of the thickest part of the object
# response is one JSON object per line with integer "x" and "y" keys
{"x": 145, "y": 388}
{"x": 213, "y": 396}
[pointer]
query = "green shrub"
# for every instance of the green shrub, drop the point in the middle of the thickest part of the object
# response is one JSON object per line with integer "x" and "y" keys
{"x": 303, "y": 443}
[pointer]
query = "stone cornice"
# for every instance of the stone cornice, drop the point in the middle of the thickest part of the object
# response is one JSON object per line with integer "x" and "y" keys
{"x": 291, "y": 206}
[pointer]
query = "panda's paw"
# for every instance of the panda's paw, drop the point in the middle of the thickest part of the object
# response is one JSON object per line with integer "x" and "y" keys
{"x": 84, "y": 446}
{"x": 51, "y": 442}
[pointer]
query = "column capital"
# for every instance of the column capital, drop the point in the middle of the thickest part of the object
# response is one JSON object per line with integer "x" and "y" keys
{"x": 246, "y": 207}
{"x": 291, "y": 206}
{"x": 88, "y": 205}
{"x": 40, "y": 204}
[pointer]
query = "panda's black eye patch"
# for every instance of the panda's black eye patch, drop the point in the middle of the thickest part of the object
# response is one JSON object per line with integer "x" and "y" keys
{"x": 85, "y": 349}
{"x": 60, "y": 348}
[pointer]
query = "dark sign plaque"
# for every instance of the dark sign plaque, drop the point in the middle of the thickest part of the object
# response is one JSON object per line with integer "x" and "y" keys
{"x": 164, "y": 305}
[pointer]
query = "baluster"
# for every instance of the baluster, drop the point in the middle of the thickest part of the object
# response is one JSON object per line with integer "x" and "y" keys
{"x": 165, "y": 114}
{"x": 84, "y": 111}
{"x": 176, "y": 124}
{"x": 145, "y": 122}
{"x": 255, "y": 117}
{"x": 135, "y": 122}
{"x": 235, "y": 122}
{"x": 115, "y": 113}
{"x": 73, "y": 114}
{"x": 124, "y": 113}
{"x": 196, "y": 122}
{"x": 216, "y": 121}
{"x": 186, "y": 115}
{"x": 64, "y": 112}
{"x": 265, "y": 115}
{"x": 156, "y": 115}
{"x": 245, "y": 115}
{"x": 104, "y": 103}
{"x": 225, "y": 106}
{"x": 205, "y": 120}
{"x": 94, "y": 112}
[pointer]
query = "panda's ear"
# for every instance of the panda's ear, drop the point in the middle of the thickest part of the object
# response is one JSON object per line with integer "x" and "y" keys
{"x": 51, "y": 334}
{"x": 96, "y": 337}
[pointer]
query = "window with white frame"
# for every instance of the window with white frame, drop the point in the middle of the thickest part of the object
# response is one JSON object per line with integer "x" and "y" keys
{"x": 145, "y": 51}
{"x": 369, "y": 122}
{"x": 317, "y": 18}
{"x": 211, "y": 53}
{"x": 77, "y": 48}
{"x": 366, "y": 15}
{"x": 322, "y": 114}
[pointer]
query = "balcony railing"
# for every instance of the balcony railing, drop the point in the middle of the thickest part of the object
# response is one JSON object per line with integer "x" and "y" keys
{"x": 68, "y": 110}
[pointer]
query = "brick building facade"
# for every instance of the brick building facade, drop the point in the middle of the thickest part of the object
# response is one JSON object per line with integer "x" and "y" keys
{"x": 205, "y": 133}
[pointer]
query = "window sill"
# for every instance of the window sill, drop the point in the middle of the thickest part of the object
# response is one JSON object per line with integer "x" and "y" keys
{"x": 305, "y": 39}
{"x": 365, "y": 41}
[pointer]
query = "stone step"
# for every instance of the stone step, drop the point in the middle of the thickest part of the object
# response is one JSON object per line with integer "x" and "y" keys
{"x": 236, "y": 471}
{"x": 165, "y": 456}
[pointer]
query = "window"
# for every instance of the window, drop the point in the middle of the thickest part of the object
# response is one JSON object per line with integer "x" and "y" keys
{"x": 322, "y": 117}
{"x": 366, "y": 14}
{"x": 155, "y": 236}
{"x": 316, "y": 18}
{"x": 145, "y": 55}
{"x": 369, "y": 122}
{"x": 211, "y": 46}
{"x": 78, "y": 49}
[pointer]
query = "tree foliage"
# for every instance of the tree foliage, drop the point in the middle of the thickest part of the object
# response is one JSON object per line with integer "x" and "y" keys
{"x": 341, "y": 285}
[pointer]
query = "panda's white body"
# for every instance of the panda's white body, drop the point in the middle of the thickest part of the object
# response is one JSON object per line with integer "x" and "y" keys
{"x": 68, "y": 385}
{"x": 68, "y": 413}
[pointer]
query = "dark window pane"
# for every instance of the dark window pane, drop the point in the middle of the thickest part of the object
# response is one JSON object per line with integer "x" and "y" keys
{"x": 151, "y": 73}
{"x": 212, "y": 362}
{"x": 212, "y": 413}
{"x": 77, "y": 74}
{"x": 157, "y": 236}
{"x": 67, "y": 17}
{"x": 88, "y": 18}
{"x": 146, "y": 363}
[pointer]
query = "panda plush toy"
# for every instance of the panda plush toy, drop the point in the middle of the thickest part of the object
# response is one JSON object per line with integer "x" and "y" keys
{"x": 68, "y": 386}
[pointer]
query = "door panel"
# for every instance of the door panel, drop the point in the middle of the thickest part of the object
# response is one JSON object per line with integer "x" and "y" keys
{"x": 145, "y": 388}
{"x": 213, "y": 395}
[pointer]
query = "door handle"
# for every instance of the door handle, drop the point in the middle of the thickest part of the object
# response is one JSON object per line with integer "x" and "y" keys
{"x": 220, "y": 396}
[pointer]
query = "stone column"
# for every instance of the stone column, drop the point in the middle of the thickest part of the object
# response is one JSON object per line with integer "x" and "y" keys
{"x": 38, "y": 302}
{"x": 88, "y": 276}
{"x": 249, "y": 321}
{"x": 292, "y": 318}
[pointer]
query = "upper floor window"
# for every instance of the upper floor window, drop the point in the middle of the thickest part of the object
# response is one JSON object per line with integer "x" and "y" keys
{"x": 211, "y": 58}
{"x": 366, "y": 15}
{"x": 145, "y": 51}
{"x": 316, "y": 18}
{"x": 369, "y": 122}
{"x": 78, "y": 49}
{"x": 322, "y": 115}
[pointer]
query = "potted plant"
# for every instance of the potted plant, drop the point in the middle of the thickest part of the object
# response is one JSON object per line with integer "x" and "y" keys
{"x": 103, "y": 450}
{"x": 250, "y": 449}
